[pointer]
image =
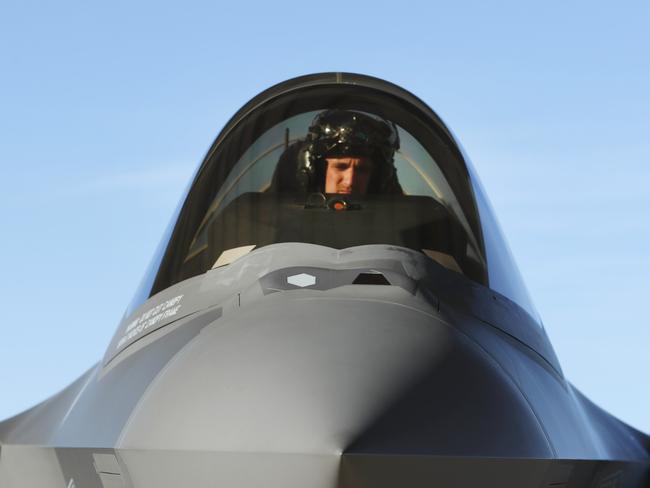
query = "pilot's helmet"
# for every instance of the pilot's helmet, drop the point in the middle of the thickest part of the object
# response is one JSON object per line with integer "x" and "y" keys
{"x": 339, "y": 133}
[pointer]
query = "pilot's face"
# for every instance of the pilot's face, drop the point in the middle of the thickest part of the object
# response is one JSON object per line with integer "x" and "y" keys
{"x": 348, "y": 175}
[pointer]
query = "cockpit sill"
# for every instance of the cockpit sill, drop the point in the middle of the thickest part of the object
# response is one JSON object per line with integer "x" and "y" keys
{"x": 410, "y": 279}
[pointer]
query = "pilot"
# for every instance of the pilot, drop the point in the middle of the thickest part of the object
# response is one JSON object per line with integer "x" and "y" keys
{"x": 345, "y": 152}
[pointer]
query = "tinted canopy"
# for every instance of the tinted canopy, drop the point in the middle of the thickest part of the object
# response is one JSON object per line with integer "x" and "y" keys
{"x": 335, "y": 160}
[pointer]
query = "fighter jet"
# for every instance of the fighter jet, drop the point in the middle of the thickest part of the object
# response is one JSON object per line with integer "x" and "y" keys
{"x": 333, "y": 305}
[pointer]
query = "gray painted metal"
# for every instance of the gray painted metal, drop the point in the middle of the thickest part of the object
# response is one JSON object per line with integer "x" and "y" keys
{"x": 241, "y": 378}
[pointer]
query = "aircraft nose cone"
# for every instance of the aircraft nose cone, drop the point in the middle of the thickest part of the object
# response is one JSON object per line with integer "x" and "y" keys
{"x": 322, "y": 378}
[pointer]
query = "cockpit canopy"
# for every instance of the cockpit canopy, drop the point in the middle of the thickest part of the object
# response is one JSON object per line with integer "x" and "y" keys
{"x": 335, "y": 160}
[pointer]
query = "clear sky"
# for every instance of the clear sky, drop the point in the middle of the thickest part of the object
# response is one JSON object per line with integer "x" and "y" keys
{"x": 106, "y": 109}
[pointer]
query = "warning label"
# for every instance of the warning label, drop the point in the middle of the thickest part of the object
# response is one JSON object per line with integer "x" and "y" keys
{"x": 150, "y": 318}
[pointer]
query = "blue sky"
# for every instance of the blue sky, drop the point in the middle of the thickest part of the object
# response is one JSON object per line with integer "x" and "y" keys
{"x": 107, "y": 109}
